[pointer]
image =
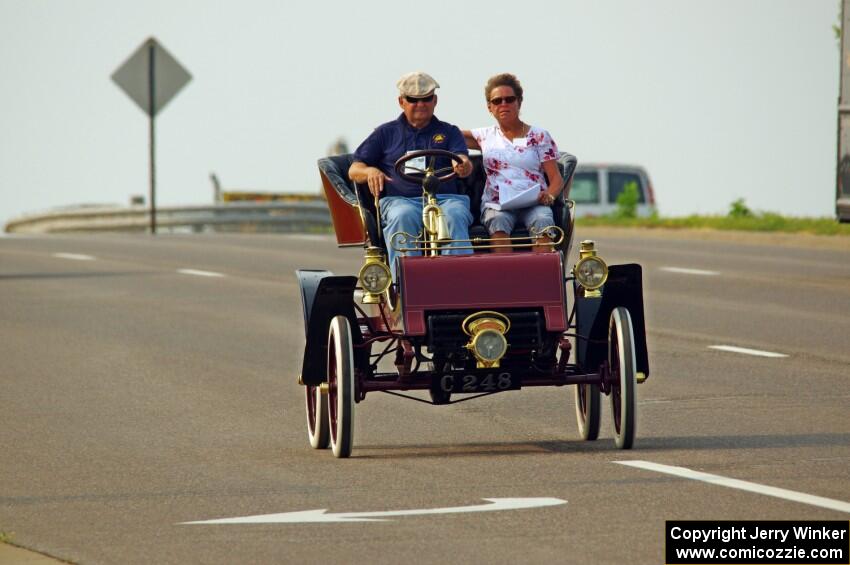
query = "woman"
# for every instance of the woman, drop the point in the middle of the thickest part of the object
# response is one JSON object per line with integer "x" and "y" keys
{"x": 515, "y": 155}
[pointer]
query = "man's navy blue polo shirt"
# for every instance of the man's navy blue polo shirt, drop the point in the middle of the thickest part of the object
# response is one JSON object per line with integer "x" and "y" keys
{"x": 393, "y": 139}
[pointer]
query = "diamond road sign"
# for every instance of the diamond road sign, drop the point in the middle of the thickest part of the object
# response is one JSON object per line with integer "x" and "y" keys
{"x": 151, "y": 66}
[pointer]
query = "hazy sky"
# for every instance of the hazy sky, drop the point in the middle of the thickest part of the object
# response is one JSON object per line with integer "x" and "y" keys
{"x": 718, "y": 99}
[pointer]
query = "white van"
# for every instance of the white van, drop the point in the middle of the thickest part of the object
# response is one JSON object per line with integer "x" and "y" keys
{"x": 596, "y": 186}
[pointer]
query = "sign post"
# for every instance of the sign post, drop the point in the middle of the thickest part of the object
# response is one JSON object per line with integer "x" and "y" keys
{"x": 151, "y": 77}
{"x": 842, "y": 172}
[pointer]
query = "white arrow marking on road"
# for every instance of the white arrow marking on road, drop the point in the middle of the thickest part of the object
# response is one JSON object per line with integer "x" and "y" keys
{"x": 684, "y": 271}
{"x": 320, "y": 515}
{"x": 745, "y": 351}
{"x": 198, "y": 273}
{"x": 74, "y": 256}
{"x": 820, "y": 501}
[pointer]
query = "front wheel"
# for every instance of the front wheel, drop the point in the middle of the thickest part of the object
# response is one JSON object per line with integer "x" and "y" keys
{"x": 341, "y": 387}
{"x": 621, "y": 364}
{"x": 588, "y": 410}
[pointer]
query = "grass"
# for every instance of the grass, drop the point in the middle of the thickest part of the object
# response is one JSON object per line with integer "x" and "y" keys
{"x": 6, "y": 537}
{"x": 761, "y": 222}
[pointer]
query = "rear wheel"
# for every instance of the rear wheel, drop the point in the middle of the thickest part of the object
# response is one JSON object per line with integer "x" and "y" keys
{"x": 621, "y": 364}
{"x": 340, "y": 387}
{"x": 588, "y": 410}
{"x": 317, "y": 417}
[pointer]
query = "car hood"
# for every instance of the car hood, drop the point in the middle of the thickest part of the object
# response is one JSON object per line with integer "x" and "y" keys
{"x": 482, "y": 282}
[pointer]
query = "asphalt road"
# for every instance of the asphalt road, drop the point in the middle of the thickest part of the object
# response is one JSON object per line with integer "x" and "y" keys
{"x": 139, "y": 391}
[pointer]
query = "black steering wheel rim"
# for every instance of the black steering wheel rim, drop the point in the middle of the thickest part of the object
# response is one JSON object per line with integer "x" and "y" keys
{"x": 402, "y": 161}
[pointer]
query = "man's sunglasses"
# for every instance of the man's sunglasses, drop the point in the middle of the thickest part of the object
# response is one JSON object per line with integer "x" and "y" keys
{"x": 507, "y": 100}
{"x": 426, "y": 99}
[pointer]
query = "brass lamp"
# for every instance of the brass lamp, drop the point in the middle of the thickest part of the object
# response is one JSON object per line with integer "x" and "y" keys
{"x": 591, "y": 271}
{"x": 374, "y": 276}
{"x": 487, "y": 331}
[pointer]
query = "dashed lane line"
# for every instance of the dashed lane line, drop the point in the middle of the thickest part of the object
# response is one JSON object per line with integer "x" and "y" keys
{"x": 719, "y": 480}
{"x": 198, "y": 273}
{"x": 81, "y": 257}
{"x": 745, "y": 351}
{"x": 684, "y": 271}
{"x": 74, "y": 256}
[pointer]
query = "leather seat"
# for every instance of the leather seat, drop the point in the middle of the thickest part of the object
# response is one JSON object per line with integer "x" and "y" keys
{"x": 336, "y": 168}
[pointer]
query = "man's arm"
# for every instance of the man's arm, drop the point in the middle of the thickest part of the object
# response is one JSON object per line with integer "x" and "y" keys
{"x": 360, "y": 172}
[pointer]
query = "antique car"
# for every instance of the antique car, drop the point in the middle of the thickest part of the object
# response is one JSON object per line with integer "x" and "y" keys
{"x": 465, "y": 326}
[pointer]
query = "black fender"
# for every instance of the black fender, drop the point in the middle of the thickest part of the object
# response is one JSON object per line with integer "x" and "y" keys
{"x": 624, "y": 287}
{"x": 323, "y": 296}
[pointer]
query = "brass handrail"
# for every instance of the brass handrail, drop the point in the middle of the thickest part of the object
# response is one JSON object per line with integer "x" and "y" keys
{"x": 400, "y": 240}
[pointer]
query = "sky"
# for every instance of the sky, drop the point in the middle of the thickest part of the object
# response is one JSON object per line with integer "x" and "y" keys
{"x": 717, "y": 99}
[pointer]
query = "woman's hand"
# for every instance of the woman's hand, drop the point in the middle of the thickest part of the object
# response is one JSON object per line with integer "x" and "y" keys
{"x": 545, "y": 198}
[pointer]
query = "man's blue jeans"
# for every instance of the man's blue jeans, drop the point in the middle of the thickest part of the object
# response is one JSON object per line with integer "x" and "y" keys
{"x": 403, "y": 214}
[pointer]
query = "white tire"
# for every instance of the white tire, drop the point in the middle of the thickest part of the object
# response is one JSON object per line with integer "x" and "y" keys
{"x": 340, "y": 387}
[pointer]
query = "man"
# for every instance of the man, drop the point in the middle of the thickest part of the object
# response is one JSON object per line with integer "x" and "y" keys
{"x": 415, "y": 129}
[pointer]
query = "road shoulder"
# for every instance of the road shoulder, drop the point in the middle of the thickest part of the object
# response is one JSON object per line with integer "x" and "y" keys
{"x": 13, "y": 555}
{"x": 800, "y": 240}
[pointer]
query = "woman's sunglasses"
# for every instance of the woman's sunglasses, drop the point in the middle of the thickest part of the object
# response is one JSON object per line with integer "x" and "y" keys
{"x": 507, "y": 100}
{"x": 412, "y": 100}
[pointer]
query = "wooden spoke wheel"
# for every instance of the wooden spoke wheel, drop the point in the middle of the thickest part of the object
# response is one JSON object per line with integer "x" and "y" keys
{"x": 621, "y": 364}
{"x": 340, "y": 387}
{"x": 588, "y": 410}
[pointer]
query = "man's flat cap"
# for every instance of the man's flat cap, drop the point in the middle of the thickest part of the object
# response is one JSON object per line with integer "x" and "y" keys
{"x": 417, "y": 84}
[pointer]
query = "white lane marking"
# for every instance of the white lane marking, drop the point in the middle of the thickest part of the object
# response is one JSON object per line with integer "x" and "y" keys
{"x": 198, "y": 273}
{"x": 74, "y": 256}
{"x": 320, "y": 515}
{"x": 719, "y": 480}
{"x": 683, "y": 271}
{"x": 745, "y": 351}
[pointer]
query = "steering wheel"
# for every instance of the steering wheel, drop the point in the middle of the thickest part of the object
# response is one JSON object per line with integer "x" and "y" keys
{"x": 433, "y": 153}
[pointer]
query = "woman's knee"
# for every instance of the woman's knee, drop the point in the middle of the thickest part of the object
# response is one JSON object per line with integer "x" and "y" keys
{"x": 498, "y": 221}
{"x": 539, "y": 218}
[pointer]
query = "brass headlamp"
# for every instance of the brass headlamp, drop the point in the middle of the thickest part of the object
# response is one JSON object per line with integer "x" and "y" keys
{"x": 488, "y": 344}
{"x": 591, "y": 271}
{"x": 374, "y": 276}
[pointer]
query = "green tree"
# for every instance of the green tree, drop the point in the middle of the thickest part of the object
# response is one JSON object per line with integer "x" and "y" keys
{"x": 627, "y": 201}
{"x": 738, "y": 209}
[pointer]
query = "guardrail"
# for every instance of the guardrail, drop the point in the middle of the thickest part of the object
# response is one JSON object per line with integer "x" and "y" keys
{"x": 276, "y": 216}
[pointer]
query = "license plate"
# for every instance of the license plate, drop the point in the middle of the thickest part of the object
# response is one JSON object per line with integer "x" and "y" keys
{"x": 479, "y": 382}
